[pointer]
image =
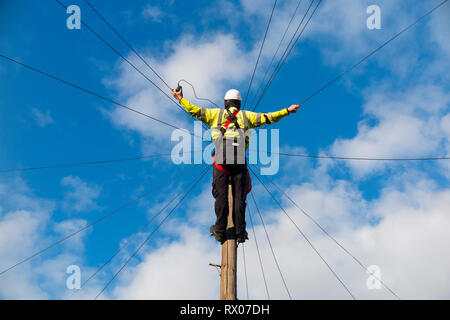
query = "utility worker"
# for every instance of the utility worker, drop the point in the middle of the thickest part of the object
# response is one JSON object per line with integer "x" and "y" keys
{"x": 230, "y": 128}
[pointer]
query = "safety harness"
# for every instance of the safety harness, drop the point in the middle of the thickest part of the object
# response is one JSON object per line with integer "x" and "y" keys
{"x": 232, "y": 117}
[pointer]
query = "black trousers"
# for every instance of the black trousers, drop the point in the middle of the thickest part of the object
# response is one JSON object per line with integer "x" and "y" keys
{"x": 238, "y": 174}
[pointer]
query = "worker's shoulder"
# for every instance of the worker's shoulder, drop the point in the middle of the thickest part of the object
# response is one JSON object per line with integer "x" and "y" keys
{"x": 214, "y": 110}
{"x": 212, "y": 113}
{"x": 248, "y": 112}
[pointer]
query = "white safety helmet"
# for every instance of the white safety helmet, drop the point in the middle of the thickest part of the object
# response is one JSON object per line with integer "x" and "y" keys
{"x": 233, "y": 94}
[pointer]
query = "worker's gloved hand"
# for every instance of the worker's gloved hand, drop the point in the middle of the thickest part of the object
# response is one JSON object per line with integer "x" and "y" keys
{"x": 177, "y": 94}
{"x": 293, "y": 108}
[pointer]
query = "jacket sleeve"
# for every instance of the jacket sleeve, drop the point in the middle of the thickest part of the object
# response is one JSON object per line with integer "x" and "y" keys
{"x": 256, "y": 120}
{"x": 205, "y": 115}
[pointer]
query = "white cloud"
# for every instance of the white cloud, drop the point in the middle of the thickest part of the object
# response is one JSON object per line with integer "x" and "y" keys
{"x": 213, "y": 63}
{"x": 25, "y": 228}
{"x": 174, "y": 271}
{"x": 82, "y": 196}
{"x": 407, "y": 124}
{"x": 343, "y": 35}
{"x": 42, "y": 119}
{"x": 445, "y": 126}
{"x": 153, "y": 13}
{"x": 195, "y": 60}
{"x": 68, "y": 227}
{"x": 439, "y": 26}
{"x": 403, "y": 107}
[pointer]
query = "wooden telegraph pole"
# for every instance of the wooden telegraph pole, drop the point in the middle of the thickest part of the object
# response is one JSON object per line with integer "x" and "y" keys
{"x": 229, "y": 256}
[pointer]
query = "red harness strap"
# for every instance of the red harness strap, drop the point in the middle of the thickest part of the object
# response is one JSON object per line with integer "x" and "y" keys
{"x": 218, "y": 166}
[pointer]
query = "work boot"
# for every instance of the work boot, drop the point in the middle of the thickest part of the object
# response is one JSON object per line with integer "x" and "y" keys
{"x": 241, "y": 237}
{"x": 219, "y": 236}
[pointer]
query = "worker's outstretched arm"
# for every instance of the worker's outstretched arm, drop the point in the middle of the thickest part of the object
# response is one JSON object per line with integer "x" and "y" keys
{"x": 203, "y": 114}
{"x": 259, "y": 119}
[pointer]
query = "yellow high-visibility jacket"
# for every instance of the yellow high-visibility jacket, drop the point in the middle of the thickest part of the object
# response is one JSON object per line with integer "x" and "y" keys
{"x": 246, "y": 121}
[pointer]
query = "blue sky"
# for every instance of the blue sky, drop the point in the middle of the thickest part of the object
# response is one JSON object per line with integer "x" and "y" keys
{"x": 394, "y": 105}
